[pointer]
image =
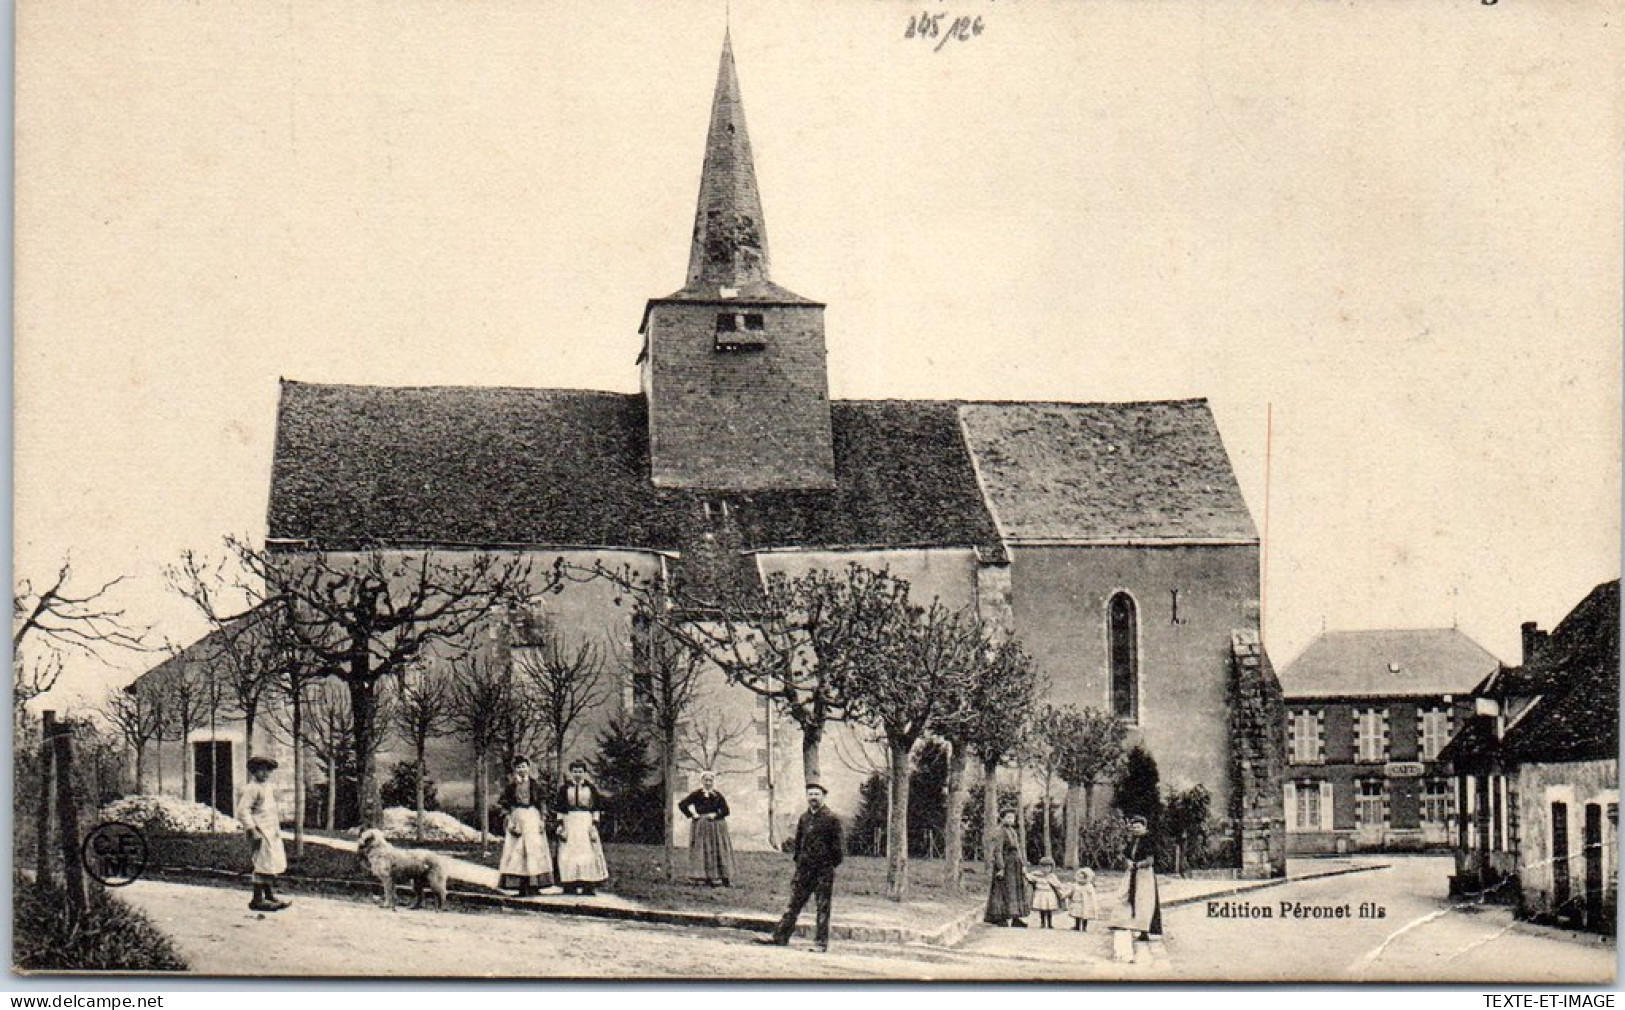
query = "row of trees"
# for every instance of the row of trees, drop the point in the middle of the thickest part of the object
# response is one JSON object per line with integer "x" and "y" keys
{"x": 852, "y": 645}
{"x": 432, "y": 642}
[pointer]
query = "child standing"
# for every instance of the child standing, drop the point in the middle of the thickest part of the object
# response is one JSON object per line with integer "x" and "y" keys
{"x": 258, "y": 814}
{"x": 1082, "y": 902}
{"x": 1046, "y": 892}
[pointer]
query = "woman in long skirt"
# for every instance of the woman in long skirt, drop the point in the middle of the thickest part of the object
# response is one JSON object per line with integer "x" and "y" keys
{"x": 1141, "y": 897}
{"x": 710, "y": 849}
{"x": 581, "y": 855}
{"x": 526, "y": 865}
{"x": 1144, "y": 900}
{"x": 1007, "y": 891}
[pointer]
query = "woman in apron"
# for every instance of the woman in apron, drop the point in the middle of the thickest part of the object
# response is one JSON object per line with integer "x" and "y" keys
{"x": 526, "y": 864}
{"x": 581, "y": 855}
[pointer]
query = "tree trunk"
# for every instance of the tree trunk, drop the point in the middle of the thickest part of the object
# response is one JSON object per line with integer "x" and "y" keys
{"x": 953, "y": 830}
{"x": 158, "y": 761}
{"x": 332, "y": 791}
{"x": 298, "y": 773}
{"x": 67, "y": 812}
{"x": 1048, "y": 822}
{"x": 990, "y": 810}
{"x": 421, "y": 771}
{"x": 481, "y": 800}
{"x": 897, "y": 824}
{"x": 668, "y": 790}
{"x": 811, "y": 737}
{"x": 249, "y": 711}
{"x": 1070, "y": 824}
{"x": 47, "y": 765}
{"x": 188, "y": 784}
{"x": 1021, "y": 813}
{"x": 140, "y": 766}
{"x": 363, "y": 708}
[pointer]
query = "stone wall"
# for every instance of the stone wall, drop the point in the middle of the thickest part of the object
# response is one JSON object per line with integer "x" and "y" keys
{"x": 1258, "y": 758}
{"x": 738, "y": 420}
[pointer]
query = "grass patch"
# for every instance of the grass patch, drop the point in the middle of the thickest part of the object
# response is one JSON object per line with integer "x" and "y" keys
{"x": 112, "y": 936}
{"x": 761, "y": 880}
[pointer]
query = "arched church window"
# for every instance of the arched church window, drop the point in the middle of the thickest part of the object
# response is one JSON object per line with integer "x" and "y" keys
{"x": 1123, "y": 648}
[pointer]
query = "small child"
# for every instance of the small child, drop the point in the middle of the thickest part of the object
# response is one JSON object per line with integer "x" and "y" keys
{"x": 1082, "y": 902}
{"x": 1046, "y": 892}
{"x": 257, "y": 812}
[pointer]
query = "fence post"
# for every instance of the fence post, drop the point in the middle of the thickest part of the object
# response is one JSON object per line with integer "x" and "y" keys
{"x": 42, "y": 827}
{"x": 68, "y": 816}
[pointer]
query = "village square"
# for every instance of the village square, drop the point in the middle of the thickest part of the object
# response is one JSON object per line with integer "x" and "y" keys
{"x": 734, "y": 677}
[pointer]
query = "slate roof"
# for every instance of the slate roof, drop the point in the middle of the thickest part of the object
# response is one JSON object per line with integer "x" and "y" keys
{"x": 1106, "y": 471}
{"x": 1579, "y": 719}
{"x": 1391, "y": 663}
{"x": 357, "y": 466}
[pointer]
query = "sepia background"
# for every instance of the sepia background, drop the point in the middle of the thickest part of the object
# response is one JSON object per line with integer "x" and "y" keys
{"x": 1394, "y": 229}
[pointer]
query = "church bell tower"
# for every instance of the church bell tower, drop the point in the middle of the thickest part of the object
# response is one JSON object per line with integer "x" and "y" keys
{"x": 733, "y": 365}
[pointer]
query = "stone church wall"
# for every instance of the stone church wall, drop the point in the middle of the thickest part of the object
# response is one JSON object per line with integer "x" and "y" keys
{"x": 1059, "y": 599}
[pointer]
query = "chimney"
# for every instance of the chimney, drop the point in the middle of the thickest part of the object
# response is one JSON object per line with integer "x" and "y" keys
{"x": 1534, "y": 641}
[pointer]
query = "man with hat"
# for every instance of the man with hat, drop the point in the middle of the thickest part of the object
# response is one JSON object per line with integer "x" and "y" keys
{"x": 818, "y": 850}
{"x": 257, "y": 812}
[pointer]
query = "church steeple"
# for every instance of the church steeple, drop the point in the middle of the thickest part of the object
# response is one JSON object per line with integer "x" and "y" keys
{"x": 729, "y": 247}
{"x": 733, "y": 364}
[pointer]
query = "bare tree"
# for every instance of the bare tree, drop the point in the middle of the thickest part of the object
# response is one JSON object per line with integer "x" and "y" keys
{"x": 327, "y": 727}
{"x": 666, "y": 676}
{"x": 1091, "y": 750}
{"x": 248, "y": 641}
{"x": 713, "y": 742}
{"x": 912, "y": 663}
{"x": 370, "y": 615}
{"x": 187, "y": 700}
{"x": 991, "y": 720}
{"x": 481, "y": 685}
{"x": 422, "y": 713}
{"x": 565, "y": 680}
{"x": 138, "y": 719}
{"x": 787, "y": 640}
{"x": 63, "y": 621}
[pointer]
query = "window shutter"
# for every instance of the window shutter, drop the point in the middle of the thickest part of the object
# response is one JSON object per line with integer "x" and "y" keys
{"x": 1325, "y": 806}
{"x": 1290, "y": 791}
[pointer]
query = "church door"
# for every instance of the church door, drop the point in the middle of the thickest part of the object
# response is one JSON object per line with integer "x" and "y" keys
{"x": 211, "y": 775}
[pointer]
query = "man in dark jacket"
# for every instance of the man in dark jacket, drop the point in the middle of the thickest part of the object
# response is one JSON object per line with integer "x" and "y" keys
{"x": 818, "y": 850}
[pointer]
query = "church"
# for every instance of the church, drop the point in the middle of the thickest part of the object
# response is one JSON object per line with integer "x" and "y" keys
{"x": 1111, "y": 538}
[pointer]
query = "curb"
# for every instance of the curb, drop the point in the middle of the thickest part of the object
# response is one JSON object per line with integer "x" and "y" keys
{"x": 1259, "y": 885}
{"x": 944, "y": 936}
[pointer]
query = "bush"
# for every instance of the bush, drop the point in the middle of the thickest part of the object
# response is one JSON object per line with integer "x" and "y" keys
{"x": 1102, "y": 841}
{"x": 402, "y": 788}
{"x": 112, "y": 937}
{"x": 1138, "y": 791}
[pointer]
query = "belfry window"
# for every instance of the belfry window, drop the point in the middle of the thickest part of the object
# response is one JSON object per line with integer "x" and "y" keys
{"x": 1123, "y": 651}
{"x": 740, "y": 331}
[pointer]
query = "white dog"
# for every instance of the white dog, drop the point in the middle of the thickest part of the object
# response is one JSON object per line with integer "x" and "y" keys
{"x": 392, "y": 866}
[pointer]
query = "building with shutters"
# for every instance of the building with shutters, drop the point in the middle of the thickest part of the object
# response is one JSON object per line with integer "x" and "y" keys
{"x": 1368, "y": 713}
{"x": 1537, "y": 773}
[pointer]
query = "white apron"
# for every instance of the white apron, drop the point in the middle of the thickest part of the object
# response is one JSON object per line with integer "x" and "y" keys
{"x": 581, "y": 857}
{"x": 524, "y": 852}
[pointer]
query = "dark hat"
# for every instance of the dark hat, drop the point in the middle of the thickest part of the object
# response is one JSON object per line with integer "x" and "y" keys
{"x": 578, "y": 763}
{"x": 257, "y": 763}
{"x": 520, "y": 759}
{"x": 817, "y": 786}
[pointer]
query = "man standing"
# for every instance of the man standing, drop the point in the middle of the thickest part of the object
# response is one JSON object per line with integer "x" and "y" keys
{"x": 818, "y": 850}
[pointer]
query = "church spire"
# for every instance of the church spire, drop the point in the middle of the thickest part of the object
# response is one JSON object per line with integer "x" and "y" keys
{"x": 729, "y": 247}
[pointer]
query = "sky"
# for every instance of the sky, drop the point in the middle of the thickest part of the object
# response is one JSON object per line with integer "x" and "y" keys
{"x": 1384, "y": 240}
